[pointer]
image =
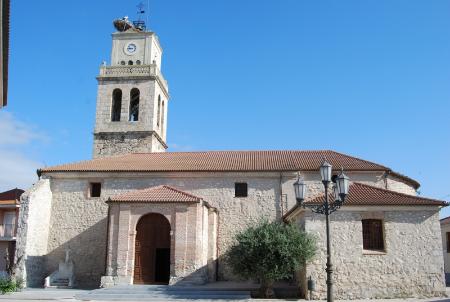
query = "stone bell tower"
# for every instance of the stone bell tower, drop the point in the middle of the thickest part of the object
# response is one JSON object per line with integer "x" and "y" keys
{"x": 132, "y": 98}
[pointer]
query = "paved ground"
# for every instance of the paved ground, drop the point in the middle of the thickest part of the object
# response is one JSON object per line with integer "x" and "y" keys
{"x": 67, "y": 295}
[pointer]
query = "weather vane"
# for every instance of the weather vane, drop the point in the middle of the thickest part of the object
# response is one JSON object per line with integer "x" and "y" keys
{"x": 140, "y": 23}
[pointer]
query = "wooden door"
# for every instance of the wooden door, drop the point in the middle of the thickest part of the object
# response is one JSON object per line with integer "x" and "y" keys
{"x": 152, "y": 250}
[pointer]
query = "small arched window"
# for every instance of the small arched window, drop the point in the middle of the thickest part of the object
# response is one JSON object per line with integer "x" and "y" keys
{"x": 158, "y": 116}
{"x": 130, "y": 62}
{"x": 134, "y": 105}
{"x": 162, "y": 119}
{"x": 138, "y": 62}
{"x": 122, "y": 62}
{"x": 116, "y": 106}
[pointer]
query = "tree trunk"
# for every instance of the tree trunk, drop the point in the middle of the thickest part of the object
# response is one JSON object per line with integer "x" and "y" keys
{"x": 266, "y": 289}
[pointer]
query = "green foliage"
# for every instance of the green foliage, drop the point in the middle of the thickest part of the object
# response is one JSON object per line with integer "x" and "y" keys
{"x": 270, "y": 251}
{"x": 8, "y": 285}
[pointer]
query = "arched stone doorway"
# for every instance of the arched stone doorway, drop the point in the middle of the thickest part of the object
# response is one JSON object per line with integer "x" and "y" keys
{"x": 152, "y": 250}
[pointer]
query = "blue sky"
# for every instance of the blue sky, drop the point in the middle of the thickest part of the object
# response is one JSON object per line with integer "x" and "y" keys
{"x": 367, "y": 78}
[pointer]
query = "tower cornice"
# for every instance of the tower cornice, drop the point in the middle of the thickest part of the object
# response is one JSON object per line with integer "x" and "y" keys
{"x": 142, "y": 72}
{"x": 146, "y": 133}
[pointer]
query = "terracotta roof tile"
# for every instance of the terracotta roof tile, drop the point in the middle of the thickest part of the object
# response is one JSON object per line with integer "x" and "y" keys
{"x": 362, "y": 194}
{"x": 365, "y": 195}
{"x": 159, "y": 194}
{"x": 445, "y": 220}
{"x": 10, "y": 195}
{"x": 219, "y": 161}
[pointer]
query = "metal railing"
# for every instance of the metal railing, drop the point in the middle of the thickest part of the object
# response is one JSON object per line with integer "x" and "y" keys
{"x": 8, "y": 230}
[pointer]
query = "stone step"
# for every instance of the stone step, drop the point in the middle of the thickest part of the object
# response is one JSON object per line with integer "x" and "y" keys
{"x": 59, "y": 287}
{"x": 161, "y": 297}
{"x": 135, "y": 288}
{"x": 161, "y": 293}
{"x": 170, "y": 290}
{"x": 58, "y": 282}
{"x": 178, "y": 292}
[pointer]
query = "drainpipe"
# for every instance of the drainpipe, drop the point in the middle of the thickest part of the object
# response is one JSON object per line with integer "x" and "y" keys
{"x": 217, "y": 245}
{"x": 385, "y": 175}
{"x": 281, "y": 194}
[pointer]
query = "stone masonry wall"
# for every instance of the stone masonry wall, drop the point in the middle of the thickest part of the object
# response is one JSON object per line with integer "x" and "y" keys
{"x": 124, "y": 136}
{"x": 78, "y": 223}
{"x": 108, "y": 144}
{"x": 234, "y": 214}
{"x": 398, "y": 185}
{"x": 411, "y": 266}
{"x": 103, "y": 121}
{"x": 32, "y": 233}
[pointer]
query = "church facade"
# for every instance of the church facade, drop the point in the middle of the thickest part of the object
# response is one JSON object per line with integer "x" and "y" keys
{"x": 136, "y": 214}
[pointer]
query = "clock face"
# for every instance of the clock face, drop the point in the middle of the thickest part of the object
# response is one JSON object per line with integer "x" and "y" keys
{"x": 130, "y": 48}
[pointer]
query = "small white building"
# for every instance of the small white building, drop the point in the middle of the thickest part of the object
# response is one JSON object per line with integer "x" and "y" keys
{"x": 137, "y": 214}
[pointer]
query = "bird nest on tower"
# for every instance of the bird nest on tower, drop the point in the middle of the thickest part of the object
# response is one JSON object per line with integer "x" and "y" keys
{"x": 124, "y": 24}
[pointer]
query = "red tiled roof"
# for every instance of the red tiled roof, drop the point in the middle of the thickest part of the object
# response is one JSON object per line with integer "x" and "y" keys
{"x": 13, "y": 194}
{"x": 445, "y": 220}
{"x": 159, "y": 194}
{"x": 225, "y": 161}
{"x": 220, "y": 161}
{"x": 365, "y": 195}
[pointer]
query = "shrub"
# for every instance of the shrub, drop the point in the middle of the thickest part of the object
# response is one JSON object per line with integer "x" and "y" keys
{"x": 270, "y": 252}
{"x": 8, "y": 285}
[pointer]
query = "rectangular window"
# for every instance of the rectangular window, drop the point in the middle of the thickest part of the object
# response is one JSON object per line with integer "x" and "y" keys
{"x": 373, "y": 234}
{"x": 240, "y": 189}
{"x": 95, "y": 189}
{"x": 448, "y": 242}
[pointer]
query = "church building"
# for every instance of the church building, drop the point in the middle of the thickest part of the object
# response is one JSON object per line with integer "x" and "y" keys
{"x": 137, "y": 214}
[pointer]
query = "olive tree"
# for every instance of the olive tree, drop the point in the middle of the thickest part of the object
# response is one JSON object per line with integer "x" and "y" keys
{"x": 270, "y": 251}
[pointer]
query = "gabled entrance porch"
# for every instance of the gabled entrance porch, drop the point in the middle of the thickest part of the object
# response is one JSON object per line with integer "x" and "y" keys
{"x": 160, "y": 235}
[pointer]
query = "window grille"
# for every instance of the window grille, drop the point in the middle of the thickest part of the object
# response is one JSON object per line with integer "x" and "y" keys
{"x": 373, "y": 234}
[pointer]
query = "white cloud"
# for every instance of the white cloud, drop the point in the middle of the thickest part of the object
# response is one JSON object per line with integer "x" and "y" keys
{"x": 180, "y": 148}
{"x": 14, "y": 132}
{"x": 17, "y": 169}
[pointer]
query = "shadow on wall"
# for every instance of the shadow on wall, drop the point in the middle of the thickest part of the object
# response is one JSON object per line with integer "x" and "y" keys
{"x": 87, "y": 251}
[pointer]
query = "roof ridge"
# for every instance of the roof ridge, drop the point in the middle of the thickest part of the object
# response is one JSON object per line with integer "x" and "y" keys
{"x": 358, "y": 158}
{"x": 181, "y": 192}
{"x": 231, "y": 151}
{"x": 158, "y": 190}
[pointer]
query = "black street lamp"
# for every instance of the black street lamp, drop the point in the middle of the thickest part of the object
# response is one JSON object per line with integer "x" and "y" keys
{"x": 340, "y": 190}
